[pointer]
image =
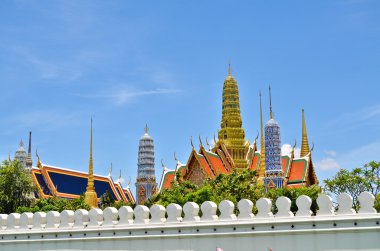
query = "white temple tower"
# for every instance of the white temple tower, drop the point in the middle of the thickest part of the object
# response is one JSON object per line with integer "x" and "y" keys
{"x": 146, "y": 179}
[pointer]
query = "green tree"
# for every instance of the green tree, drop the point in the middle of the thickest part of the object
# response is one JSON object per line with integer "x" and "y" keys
{"x": 240, "y": 184}
{"x": 106, "y": 200}
{"x": 55, "y": 204}
{"x": 354, "y": 182}
{"x": 16, "y": 186}
{"x": 293, "y": 194}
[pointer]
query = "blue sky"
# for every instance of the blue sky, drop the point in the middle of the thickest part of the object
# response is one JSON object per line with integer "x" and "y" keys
{"x": 164, "y": 62}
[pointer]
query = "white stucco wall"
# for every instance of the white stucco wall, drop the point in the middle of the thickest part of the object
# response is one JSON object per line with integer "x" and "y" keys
{"x": 160, "y": 228}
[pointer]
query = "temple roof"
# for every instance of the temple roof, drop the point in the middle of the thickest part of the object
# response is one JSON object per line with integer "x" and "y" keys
{"x": 67, "y": 183}
{"x": 297, "y": 171}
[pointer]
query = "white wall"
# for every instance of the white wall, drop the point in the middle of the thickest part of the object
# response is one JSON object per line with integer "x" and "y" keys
{"x": 160, "y": 228}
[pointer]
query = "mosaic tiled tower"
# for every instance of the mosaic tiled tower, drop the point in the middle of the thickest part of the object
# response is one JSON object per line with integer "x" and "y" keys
{"x": 273, "y": 171}
{"x": 231, "y": 131}
{"x": 146, "y": 179}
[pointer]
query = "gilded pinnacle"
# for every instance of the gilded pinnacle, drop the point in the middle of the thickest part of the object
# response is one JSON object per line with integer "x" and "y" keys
{"x": 91, "y": 197}
{"x": 305, "y": 142}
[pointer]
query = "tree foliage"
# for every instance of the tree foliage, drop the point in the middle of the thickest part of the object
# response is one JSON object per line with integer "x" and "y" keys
{"x": 106, "y": 200}
{"x": 16, "y": 186}
{"x": 55, "y": 204}
{"x": 240, "y": 184}
{"x": 354, "y": 182}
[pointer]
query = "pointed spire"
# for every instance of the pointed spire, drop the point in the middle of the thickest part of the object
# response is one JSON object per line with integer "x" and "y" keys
{"x": 21, "y": 143}
{"x": 29, "y": 161}
{"x": 229, "y": 69}
{"x": 305, "y": 142}
{"x": 90, "y": 196}
{"x": 262, "y": 143}
{"x": 270, "y": 103}
{"x": 146, "y": 128}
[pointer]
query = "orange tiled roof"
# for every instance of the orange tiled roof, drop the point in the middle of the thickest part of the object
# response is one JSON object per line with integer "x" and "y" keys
{"x": 166, "y": 180}
{"x": 298, "y": 171}
{"x": 255, "y": 161}
{"x": 206, "y": 167}
{"x": 216, "y": 163}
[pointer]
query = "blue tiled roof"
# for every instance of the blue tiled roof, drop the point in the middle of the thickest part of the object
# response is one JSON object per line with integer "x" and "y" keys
{"x": 77, "y": 185}
{"x": 42, "y": 184}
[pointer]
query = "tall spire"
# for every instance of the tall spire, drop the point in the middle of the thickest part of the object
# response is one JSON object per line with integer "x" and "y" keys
{"x": 273, "y": 167}
{"x": 229, "y": 69}
{"x": 231, "y": 131}
{"x": 29, "y": 161}
{"x": 262, "y": 143}
{"x": 146, "y": 129}
{"x": 305, "y": 142}
{"x": 270, "y": 103}
{"x": 91, "y": 198}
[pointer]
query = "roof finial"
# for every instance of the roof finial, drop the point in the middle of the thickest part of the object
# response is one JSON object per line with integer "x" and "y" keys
{"x": 208, "y": 144}
{"x": 200, "y": 140}
{"x": 305, "y": 142}
{"x": 146, "y": 128}
{"x": 229, "y": 69}
{"x": 270, "y": 103}
{"x": 110, "y": 171}
{"x": 262, "y": 143}
{"x": 162, "y": 163}
{"x": 129, "y": 182}
{"x": 175, "y": 157}
{"x": 21, "y": 143}
{"x": 91, "y": 198}
{"x": 294, "y": 147}
{"x": 191, "y": 142}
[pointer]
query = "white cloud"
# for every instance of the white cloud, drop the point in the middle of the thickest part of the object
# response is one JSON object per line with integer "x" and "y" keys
{"x": 356, "y": 118}
{"x": 123, "y": 96}
{"x": 286, "y": 149}
{"x": 327, "y": 164}
{"x": 330, "y": 153}
{"x": 61, "y": 70}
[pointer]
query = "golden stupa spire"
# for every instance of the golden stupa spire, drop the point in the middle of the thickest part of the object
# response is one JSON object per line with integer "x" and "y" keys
{"x": 305, "y": 142}
{"x": 91, "y": 198}
{"x": 262, "y": 144}
{"x": 231, "y": 131}
{"x": 270, "y": 103}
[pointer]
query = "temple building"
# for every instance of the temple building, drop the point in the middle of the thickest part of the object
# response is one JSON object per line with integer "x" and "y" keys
{"x": 232, "y": 150}
{"x": 146, "y": 184}
{"x": 69, "y": 183}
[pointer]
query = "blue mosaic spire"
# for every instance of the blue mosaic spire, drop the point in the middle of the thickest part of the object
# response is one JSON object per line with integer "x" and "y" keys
{"x": 273, "y": 173}
{"x": 146, "y": 179}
